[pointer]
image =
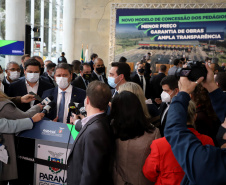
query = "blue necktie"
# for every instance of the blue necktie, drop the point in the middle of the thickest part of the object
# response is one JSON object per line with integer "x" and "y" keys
{"x": 61, "y": 108}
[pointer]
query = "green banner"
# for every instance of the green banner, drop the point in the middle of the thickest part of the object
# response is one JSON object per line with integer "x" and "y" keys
{"x": 199, "y": 17}
{"x": 6, "y": 42}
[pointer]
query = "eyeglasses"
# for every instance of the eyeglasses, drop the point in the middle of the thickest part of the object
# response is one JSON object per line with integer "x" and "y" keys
{"x": 14, "y": 69}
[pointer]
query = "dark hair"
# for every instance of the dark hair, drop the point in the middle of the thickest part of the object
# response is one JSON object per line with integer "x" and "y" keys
{"x": 122, "y": 59}
{"x": 208, "y": 58}
{"x": 216, "y": 66}
{"x": 38, "y": 57}
{"x": 62, "y": 53}
{"x": 132, "y": 123}
{"x": 63, "y": 66}
{"x": 123, "y": 68}
{"x": 171, "y": 81}
{"x": 84, "y": 64}
{"x": 50, "y": 66}
{"x": 182, "y": 59}
{"x": 176, "y": 61}
{"x": 221, "y": 80}
{"x": 76, "y": 64}
{"x": 32, "y": 62}
{"x": 24, "y": 56}
{"x": 94, "y": 55}
{"x": 99, "y": 94}
{"x": 163, "y": 68}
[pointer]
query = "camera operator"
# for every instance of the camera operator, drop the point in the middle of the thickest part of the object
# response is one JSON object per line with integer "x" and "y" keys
{"x": 201, "y": 164}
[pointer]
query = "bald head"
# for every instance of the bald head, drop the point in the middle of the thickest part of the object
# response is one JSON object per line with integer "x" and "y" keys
{"x": 98, "y": 66}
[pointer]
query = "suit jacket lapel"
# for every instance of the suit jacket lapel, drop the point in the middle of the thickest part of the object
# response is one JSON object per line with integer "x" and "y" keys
{"x": 55, "y": 95}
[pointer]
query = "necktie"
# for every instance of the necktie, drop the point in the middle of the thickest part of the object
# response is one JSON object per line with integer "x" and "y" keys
{"x": 86, "y": 81}
{"x": 100, "y": 78}
{"x": 142, "y": 81}
{"x": 61, "y": 108}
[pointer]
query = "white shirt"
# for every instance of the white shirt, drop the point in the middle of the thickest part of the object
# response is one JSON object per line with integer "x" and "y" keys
{"x": 165, "y": 111}
{"x": 33, "y": 89}
{"x": 86, "y": 119}
{"x": 144, "y": 82}
{"x": 67, "y": 101}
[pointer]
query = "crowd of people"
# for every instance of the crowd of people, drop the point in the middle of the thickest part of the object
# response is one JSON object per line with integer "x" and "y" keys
{"x": 139, "y": 128}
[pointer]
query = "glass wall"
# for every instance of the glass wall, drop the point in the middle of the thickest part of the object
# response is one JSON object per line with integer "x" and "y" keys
{"x": 2, "y": 28}
{"x": 2, "y": 19}
{"x": 47, "y": 16}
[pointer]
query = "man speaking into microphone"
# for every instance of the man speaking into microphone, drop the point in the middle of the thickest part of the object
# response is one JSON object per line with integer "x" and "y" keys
{"x": 63, "y": 94}
{"x": 89, "y": 159}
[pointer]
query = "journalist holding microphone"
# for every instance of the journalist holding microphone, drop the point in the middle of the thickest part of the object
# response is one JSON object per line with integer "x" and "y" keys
{"x": 9, "y": 110}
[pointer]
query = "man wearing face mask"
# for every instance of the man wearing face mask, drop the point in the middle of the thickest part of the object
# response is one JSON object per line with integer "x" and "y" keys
{"x": 13, "y": 73}
{"x": 85, "y": 78}
{"x": 118, "y": 75}
{"x": 31, "y": 82}
{"x": 170, "y": 89}
{"x": 63, "y": 94}
{"x": 40, "y": 60}
{"x": 49, "y": 74}
{"x": 140, "y": 79}
{"x": 99, "y": 71}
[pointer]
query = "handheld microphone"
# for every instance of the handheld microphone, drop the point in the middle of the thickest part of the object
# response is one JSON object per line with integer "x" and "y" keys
{"x": 47, "y": 100}
{"x": 72, "y": 109}
{"x": 48, "y": 107}
{"x": 37, "y": 97}
{"x": 83, "y": 111}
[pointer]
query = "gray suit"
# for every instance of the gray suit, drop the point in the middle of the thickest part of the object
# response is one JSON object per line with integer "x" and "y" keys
{"x": 172, "y": 70}
{"x": 9, "y": 110}
{"x": 89, "y": 159}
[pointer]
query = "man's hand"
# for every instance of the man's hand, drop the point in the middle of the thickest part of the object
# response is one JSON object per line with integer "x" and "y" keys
{"x": 38, "y": 117}
{"x": 41, "y": 106}
{"x": 27, "y": 98}
{"x": 73, "y": 118}
{"x": 158, "y": 100}
{"x": 209, "y": 83}
{"x": 55, "y": 120}
{"x": 188, "y": 86}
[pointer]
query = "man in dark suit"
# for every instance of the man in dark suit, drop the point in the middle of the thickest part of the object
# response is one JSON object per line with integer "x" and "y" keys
{"x": 45, "y": 67}
{"x": 118, "y": 75}
{"x": 85, "y": 78}
{"x": 92, "y": 57}
{"x": 12, "y": 75}
{"x": 89, "y": 160}
{"x": 170, "y": 89}
{"x": 63, "y": 94}
{"x": 24, "y": 58}
{"x": 31, "y": 82}
{"x": 49, "y": 74}
{"x": 140, "y": 79}
{"x": 99, "y": 71}
{"x": 155, "y": 87}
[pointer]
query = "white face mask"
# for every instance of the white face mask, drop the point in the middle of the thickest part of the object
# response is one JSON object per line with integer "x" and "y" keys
{"x": 14, "y": 75}
{"x": 2, "y": 77}
{"x": 52, "y": 74}
{"x": 32, "y": 77}
{"x": 62, "y": 82}
{"x": 165, "y": 97}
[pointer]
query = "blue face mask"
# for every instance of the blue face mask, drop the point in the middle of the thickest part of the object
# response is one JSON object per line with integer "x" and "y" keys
{"x": 111, "y": 82}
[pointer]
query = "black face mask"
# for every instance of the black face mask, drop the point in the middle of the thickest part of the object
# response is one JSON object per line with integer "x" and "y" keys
{"x": 87, "y": 76}
{"x": 100, "y": 70}
{"x": 141, "y": 70}
{"x": 42, "y": 71}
